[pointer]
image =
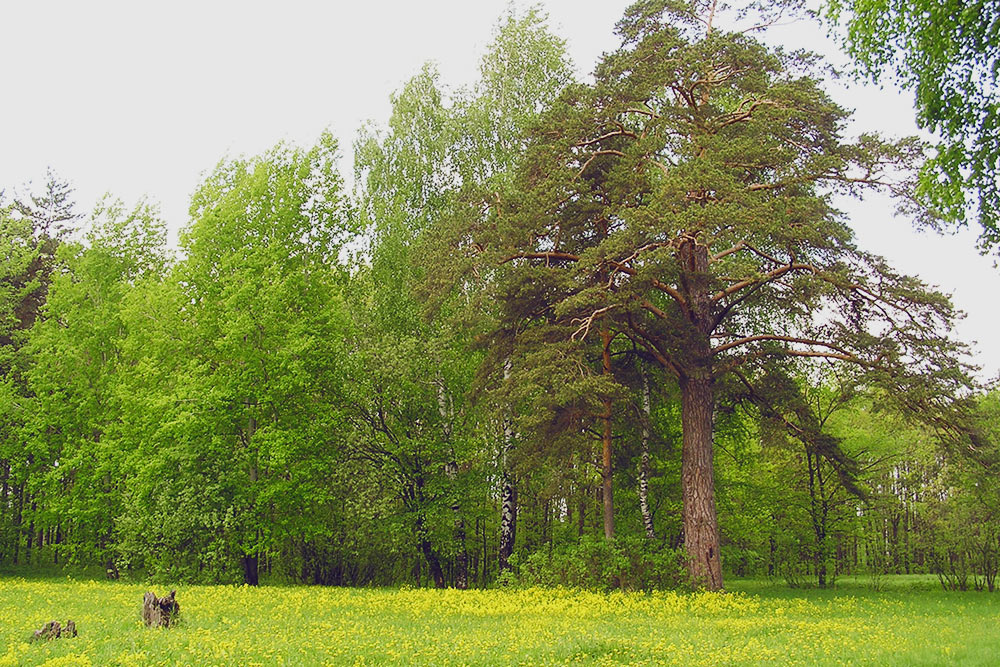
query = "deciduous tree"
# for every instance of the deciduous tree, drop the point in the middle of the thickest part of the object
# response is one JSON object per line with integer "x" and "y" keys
{"x": 948, "y": 54}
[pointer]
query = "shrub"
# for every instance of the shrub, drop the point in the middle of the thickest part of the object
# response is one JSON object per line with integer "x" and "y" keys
{"x": 598, "y": 564}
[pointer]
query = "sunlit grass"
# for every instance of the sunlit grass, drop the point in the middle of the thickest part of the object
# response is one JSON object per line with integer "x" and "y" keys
{"x": 306, "y": 626}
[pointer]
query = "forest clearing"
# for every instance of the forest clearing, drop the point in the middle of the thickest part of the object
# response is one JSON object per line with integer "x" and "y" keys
{"x": 543, "y": 367}
{"x": 911, "y": 622}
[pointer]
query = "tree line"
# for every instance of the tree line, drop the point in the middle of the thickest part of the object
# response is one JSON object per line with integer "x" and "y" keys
{"x": 609, "y": 333}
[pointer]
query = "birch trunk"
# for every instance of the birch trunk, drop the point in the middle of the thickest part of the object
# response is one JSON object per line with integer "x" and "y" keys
{"x": 647, "y": 516}
{"x": 508, "y": 520}
{"x": 508, "y": 492}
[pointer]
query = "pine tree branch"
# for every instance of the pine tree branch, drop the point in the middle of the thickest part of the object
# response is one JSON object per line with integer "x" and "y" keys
{"x": 766, "y": 278}
{"x": 561, "y": 256}
{"x": 784, "y": 339}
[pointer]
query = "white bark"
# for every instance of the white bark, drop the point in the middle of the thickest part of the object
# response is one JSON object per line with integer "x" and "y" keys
{"x": 647, "y": 517}
{"x": 508, "y": 491}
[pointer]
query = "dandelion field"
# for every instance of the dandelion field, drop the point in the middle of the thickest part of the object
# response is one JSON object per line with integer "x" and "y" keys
{"x": 315, "y": 626}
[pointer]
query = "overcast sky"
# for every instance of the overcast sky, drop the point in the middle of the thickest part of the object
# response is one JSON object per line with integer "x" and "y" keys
{"x": 141, "y": 98}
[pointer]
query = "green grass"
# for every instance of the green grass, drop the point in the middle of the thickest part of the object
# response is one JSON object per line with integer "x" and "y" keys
{"x": 910, "y": 623}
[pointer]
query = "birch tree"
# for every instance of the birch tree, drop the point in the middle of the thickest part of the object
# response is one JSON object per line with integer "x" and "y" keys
{"x": 435, "y": 147}
{"x": 948, "y": 54}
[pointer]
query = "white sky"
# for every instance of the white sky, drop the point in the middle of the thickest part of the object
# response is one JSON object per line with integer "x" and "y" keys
{"x": 141, "y": 98}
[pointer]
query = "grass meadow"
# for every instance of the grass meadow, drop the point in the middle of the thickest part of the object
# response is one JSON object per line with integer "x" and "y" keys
{"x": 908, "y": 623}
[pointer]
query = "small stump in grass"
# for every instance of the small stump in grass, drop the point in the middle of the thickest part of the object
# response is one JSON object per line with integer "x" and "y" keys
{"x": 160, "y": 612}
{"x": 52, "y": 630}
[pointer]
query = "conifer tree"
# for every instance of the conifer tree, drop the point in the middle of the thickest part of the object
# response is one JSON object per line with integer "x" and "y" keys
{"x": 683, "y": 201}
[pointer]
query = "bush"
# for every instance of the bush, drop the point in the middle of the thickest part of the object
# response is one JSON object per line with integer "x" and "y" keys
{"x": 598, "y": 564}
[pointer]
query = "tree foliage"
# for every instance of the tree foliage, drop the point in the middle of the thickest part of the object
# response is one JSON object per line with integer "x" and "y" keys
{"x": 606, "y": 334}
{"x": 683, "y": 201}
{"x": 948, "y": 54}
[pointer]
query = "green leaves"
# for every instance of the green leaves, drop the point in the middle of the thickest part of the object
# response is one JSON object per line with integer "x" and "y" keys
{"x": 358, "y": 389}
{"x": 229, "y": 358}
{"x": 948, "y": 53}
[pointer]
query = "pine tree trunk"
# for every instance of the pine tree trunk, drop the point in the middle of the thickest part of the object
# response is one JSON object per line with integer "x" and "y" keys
{"x": 647, "y": 516}
{"x": 701, "y": 524}
{"x": 701, "y": 527}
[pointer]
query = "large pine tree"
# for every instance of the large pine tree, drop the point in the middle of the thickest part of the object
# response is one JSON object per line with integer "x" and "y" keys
{"x": 684, "y": 200}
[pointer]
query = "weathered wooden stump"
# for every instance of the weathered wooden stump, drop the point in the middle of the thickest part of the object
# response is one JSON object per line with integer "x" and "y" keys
{"x": 160, "y": 612}
{"x": 52, "y": 630}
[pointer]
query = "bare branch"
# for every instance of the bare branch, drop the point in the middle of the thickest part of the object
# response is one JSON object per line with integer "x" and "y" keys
{"x": 736, "y": 248}
{"x": 825, "y": 355}
{"x": 784, "y": 339}
{"x": 767, "y": 277}
{"x": 563, "y": 256}
{"x": 594, "y": 155}
{"x": 649, "y": 343}
{"x": 645, "y": 112}
{"x": 653, "y": 309}
{"x": 663, "y": 287}
{"x": 662, "y": 167}
{"x": 586, "y": 322}
{"x": 642, "y": 249}
{"x": 763, "y": 254}
{"x": 616, "y": 133}
{"x": 732, "y": 363}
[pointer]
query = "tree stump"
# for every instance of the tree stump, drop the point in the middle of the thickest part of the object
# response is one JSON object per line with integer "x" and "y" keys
{"x": 160, "y": 612}
{"x": 52, "y": 630}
